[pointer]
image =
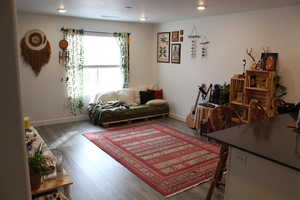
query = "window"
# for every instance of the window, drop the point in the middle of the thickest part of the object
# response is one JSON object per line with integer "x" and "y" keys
{"x": 102, "y": 71}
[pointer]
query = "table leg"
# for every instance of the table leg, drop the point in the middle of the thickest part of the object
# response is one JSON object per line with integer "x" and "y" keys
{"x": 219, "y": 171}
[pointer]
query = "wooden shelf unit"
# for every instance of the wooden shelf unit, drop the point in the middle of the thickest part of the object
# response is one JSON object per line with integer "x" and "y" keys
{"x": 259, "y": 85}
{"x": 257, "y": 89}
{"x": 237, "y": 87}
{"x": 239, "y": 103}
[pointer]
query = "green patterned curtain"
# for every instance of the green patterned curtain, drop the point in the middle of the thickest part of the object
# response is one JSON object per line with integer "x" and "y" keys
{"x": 74, "y": 70}
{"x": 123, "y": 40}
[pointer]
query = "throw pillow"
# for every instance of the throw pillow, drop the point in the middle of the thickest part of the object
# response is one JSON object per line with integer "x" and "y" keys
{"x": 136, "y": 94}
{"x": 126, "y": 96}
{"x": 156, "y": 102}
{"x": 108, "y": 96}
{"x": 146, "y": 96}
{"x": 158, "y": 94}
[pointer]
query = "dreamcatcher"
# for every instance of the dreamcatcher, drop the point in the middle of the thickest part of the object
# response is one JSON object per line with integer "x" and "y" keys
{"x": 35, "y": 50}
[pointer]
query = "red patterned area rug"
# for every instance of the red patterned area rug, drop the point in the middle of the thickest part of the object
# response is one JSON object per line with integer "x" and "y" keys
{"x": 167, "y": 159}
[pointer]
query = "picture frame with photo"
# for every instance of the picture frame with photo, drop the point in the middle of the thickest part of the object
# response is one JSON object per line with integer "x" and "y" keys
{"x": 181, "y": 39}
{"x": 175, "y": 36}
{"x": 269, "y": 61}
{"x": 176, "y": 53}
{"x": 163, "y": 47}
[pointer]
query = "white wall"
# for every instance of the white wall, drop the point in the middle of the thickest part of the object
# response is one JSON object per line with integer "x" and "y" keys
{"x": 14, "y": 178}
{"x": 43, "y": 97}
{"x": 230, "y": 36}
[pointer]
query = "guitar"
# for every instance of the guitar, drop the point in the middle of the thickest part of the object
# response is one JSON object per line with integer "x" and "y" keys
{"x": 190, "y": 119}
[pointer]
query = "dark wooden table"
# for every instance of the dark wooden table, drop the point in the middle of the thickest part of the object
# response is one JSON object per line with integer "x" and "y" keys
{"x": 270, "y": 139}
{"x": 264, "y": 159}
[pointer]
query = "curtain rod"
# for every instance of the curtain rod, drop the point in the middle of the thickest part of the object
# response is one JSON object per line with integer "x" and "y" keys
{"x": 88, "y": 31}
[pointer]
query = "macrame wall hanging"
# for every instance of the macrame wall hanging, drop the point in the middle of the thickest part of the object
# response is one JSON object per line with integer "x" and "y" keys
{"x": 35, "y": 50}
{"x": 194, "y": 36}
{"x": 204, "y": 46}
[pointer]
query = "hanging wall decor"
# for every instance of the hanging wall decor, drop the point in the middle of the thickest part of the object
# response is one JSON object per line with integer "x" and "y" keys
{"x": 64, "y": 53}
{"x": 204, "y": 46}
{"x": 176, "y": 53}
{"x": 175, "y": 36}
{"x": 194, "y": 36}
{"x": 163, "y": 47}
{"x": 35, "y": 50}
{"x": 181, "y": 35}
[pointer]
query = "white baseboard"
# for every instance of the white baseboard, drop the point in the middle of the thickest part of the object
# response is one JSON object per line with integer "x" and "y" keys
{"x": 60, "y": 120}
{"x": 177, "y": 117}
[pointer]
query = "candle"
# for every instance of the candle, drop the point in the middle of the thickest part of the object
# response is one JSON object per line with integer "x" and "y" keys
{"x": 27, "y": 123}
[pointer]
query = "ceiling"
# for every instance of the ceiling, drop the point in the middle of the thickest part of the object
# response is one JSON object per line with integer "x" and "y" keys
{"x": 156, "y": 11}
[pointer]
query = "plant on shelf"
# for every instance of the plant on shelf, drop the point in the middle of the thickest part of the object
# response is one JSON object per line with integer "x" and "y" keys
{"x": 224, "y": 94}
{"x": 39, "y": 165}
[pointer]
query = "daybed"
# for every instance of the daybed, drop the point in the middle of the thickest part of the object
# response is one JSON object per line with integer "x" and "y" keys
{"x": 125, "y": 106}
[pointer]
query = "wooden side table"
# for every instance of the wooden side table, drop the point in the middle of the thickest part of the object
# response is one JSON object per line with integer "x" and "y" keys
{"x": 202, "y": 116}
{"x": 50, "y": 183}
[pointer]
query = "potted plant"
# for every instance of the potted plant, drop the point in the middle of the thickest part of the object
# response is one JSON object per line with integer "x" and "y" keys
{"x": 39, "y": 165}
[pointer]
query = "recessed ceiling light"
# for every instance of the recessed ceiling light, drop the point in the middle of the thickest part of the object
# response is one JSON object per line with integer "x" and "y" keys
{"x": 61, "y": 9}
{"x": 143, "y": 19}
{"x": 201, "y": 5}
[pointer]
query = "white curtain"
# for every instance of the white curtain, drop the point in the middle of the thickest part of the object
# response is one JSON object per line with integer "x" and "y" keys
{"x": 74, "y": 70}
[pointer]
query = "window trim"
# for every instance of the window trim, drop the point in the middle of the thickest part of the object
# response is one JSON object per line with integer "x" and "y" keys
{"x": 101, "y": 66}
{"x": 100, "y": 34}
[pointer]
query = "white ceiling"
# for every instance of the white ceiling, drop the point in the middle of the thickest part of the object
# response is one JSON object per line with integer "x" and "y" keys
{"x": 155, "y": 10}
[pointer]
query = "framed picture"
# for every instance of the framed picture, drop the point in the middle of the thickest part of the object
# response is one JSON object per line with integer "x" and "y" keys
{"x": 176, "y": 53}
{"x": 175, "y": 36}
{"x": 163, "y": 47}
{"x": 269, "y": 61}
{"x": 181, "y": 39}
{"x": 181, "y": 32}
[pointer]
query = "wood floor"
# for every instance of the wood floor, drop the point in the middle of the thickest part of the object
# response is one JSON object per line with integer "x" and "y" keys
{"x": 97, "y": 176}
